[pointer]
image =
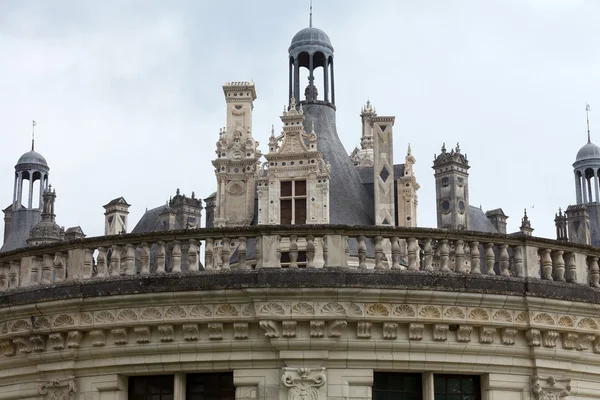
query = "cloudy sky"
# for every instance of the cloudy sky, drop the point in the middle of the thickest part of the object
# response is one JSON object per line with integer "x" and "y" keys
{"x": 128, "y": 100}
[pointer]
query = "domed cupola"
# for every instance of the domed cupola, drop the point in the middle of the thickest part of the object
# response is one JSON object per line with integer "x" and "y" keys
{"x": 31, "y": 167}
{"x": 587, "y": 171}
{"x": 312, "y": 49}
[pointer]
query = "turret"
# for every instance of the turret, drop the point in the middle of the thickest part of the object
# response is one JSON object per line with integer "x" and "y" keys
{"x": 452, "y": 189}
{"x": 115, "y": 216}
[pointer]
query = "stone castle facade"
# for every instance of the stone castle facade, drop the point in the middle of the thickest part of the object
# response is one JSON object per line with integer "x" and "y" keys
{"x": 309, "y": 278}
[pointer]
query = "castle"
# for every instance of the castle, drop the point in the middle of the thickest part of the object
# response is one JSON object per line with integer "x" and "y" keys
{"x": 310, "y": 277}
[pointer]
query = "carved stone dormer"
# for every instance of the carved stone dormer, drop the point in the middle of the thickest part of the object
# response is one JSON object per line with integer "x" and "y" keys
{"x": 293, "y": 187}
{"x": 407, "y": 193}
{"x": 304, "y": 383}
{"x": 237, "y": 157}
{"x": 550, "y": 388}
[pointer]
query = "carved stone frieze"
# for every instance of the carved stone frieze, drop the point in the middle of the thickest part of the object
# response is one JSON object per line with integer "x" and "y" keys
{"x": 486, "y": 334}
{"x": 57, "y": 389}
{"x": 304, "y": 383}
{"x": 57, "y": 340}
{"x": 270, "y": 327}
{"x": 190, "y": 332}
{"x": 463, "y": 333}
{"x": 549, "y": 338}
{"x": 240, "y": 330}
{"x": 363, "y": 330}
{"x": 119, "y": 335}
{"x": 533, "y": 337}
{"x": 390, "y": 330}
{"x": 317, "y": 329}
{"x": 98, "y": 337}
{"x": 288, "y": 329}
{"x": 215, "y": 331}
{"x": 167, "y": 332}
{"x": 508, "y": 335}
{"x": 440, "y": 332}
{"x": 415, "y": 331}
{"x": 336, "y": 328}
{"x": 550, "y": 388}
{"x": 569, "y": 340}
{"x": 142, "y": 334}
{"x": 74, "y": 339}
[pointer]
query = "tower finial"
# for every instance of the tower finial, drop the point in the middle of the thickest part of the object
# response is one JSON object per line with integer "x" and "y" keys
{"x": 33, "y": 135}
{"x": 310, "y": 15}
{"x": 587, "y": 117}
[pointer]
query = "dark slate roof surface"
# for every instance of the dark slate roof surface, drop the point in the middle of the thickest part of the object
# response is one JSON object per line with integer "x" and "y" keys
{"x": 479, "y": 222}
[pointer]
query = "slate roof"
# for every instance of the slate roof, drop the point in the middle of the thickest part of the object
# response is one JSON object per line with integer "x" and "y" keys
{"x": 150, "y": 221}
{"x": 23, "y": 220}
{"x": 349, "y": 201}
{"x": 479, "y": 222}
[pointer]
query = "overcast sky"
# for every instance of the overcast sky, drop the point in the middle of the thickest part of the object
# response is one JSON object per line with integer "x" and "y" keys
{"x": 128, "y": 100}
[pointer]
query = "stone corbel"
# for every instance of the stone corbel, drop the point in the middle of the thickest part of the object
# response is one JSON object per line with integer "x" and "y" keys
{"x": 142, "y": 334}
{"x": 303, "y": 383}
{"x": 98, "y": 337}
{"x": 57, "y": 340}
{"x": 486, "y": 334}
{"x": 38, "y": 343}
{"x": 335, "y": 328}
{"x": 73, "y": 339}
{"x": 569, "y": 339}
{"x": 463, "y": 334}
{"x": 167, "y": 333}
{"x": 549, "y": 338}
{"x": 415, "y": 331}
{"x": 363, "y": 330}
{"x": 190, "y": 332}
{"x": 8, "y": 349}
{"x": 317, "y": 329}
{"x": 550, "y": 388}
{"x": 440, "y": 332}
{"x": 240, "y": 330}
{"x": 390, "y": 330}
{"x": 508, "y": 335}
{"x": 288, "y": 329}
{"x": 533, "y": 337}
{"x": 215, "y": 331}
{"x": 57, "y": 388}
{"x": 271, "y": 329}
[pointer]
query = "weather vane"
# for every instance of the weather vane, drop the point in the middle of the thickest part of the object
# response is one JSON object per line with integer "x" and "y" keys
{"x": 587, "y": 117}
{"x": 33, "y": 135}
{"x": 310, "y": 15}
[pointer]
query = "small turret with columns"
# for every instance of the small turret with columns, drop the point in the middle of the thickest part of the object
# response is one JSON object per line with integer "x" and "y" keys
{"x": 47, "y": 230}
{"x": 407, "y": 193}
{"x": 363, "y": 157}
{"x": 560, "y": 221}
{"x": 525, "y": 227}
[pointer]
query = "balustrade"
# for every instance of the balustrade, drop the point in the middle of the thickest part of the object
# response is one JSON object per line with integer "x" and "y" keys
{"x": 412, "y": 250}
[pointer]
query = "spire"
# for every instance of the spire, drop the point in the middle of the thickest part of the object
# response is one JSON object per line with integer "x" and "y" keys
{"x": 310, "y": 15}
{"x": 587, "y": 117}
{"x": 33, "y": 135}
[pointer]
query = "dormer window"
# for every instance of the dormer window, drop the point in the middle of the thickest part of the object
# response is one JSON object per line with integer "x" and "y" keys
{"x": 292, "y": 197}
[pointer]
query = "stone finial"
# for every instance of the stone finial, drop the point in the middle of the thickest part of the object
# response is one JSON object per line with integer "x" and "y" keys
{"x": 444, "y": 147}
{"x": 457, "y": 147}
{"x": 526, "y": 224}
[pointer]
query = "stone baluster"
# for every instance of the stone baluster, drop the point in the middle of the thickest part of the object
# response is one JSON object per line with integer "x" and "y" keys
{"x": 278, "y": 252}
{"x": 209, "y": 253}
{"x": 362, "y": 252}
{"x": 559, "y": 265}
{"x": 412, "y": 249}
{"x": 396, "y": 253}
{"x": 504, "y": 260}
{"x": 379, "y": 253}
{"x": 546, "y": 261}
{"x": 145, "y": 258}
{"x": 518, "y": 257}
{"x": 161, "y": 256}
{"x": 326, "y": 243}
{"x": 490, "y": 259}
{"x": 475, "y": 257}
{"x": 101, "y": 263}
{"x": 4, "y": 267}
{"x": 293, "y": 251}
{"x": 193, "y": 256}
{"x": 115, "y": 260}
{"x": 198, "y": 252}
{"x": 310, "y": 251}
{"x": 242, "y": 253}
{"x": 444, "y": 256}
{"x": 225, "y": 252}
{"x": 88, "y": 267}
{"x": 459, "y": 256}
{"x": 34, "y": 270}
{"x": 427, "y": 255}
{"x": 13, "y": 273}
{"x": 571, "y": 266}
{"x": 59, "y": 267}
{"x": 259, "y": 252}
{"x": 176, "y": 256}
{"x": 129, "y": 263}
{"x": 185, "y": 249}
{"x": 594, "y": 275}
{"x": 346, "y": 251}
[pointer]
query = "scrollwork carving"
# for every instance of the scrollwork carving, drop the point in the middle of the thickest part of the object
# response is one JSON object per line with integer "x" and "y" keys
{"x": 303, "y": 383}
{"x": 550, "y": 388}
{"x": 57, "y": 389}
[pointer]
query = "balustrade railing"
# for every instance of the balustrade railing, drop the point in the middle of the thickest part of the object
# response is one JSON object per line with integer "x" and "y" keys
{"x": 316, "y": 246}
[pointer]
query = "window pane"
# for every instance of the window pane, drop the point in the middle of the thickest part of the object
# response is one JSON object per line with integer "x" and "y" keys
{"x": 158, "y": 387}
{"x": 300, "y": 188}
{"x": 457, "y": 387}
{"x": 300, "y": 212}
{"x": 217, "y": 386}
{"x": 286, "y": 212}
{"x": 286, "y": 188}
{"x": 392, "y": 386}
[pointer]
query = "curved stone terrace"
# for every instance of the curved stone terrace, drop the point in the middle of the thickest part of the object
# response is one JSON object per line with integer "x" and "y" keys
{"x": 308, "y": 256}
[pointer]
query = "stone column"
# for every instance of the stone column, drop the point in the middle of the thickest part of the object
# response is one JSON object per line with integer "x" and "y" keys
{"x": 326, "y": 80}
{"x": 30, "y": 199}
{"x": 296, "y": 79}
{"x": 578, "y": 187}
{"x": 20, "y": 190}
{"x": 291, "y": 80}
{"x": 596, "y": 189}
{"x": 332, "y": 84}
{"x": 41, "y": 192}
{"x": 311, "y": 78}
{"x": 16, "y": 187}
{"x": 179, "y": 386}
{"x": 585, "y": 190}
{"x": 428, "y": 393}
